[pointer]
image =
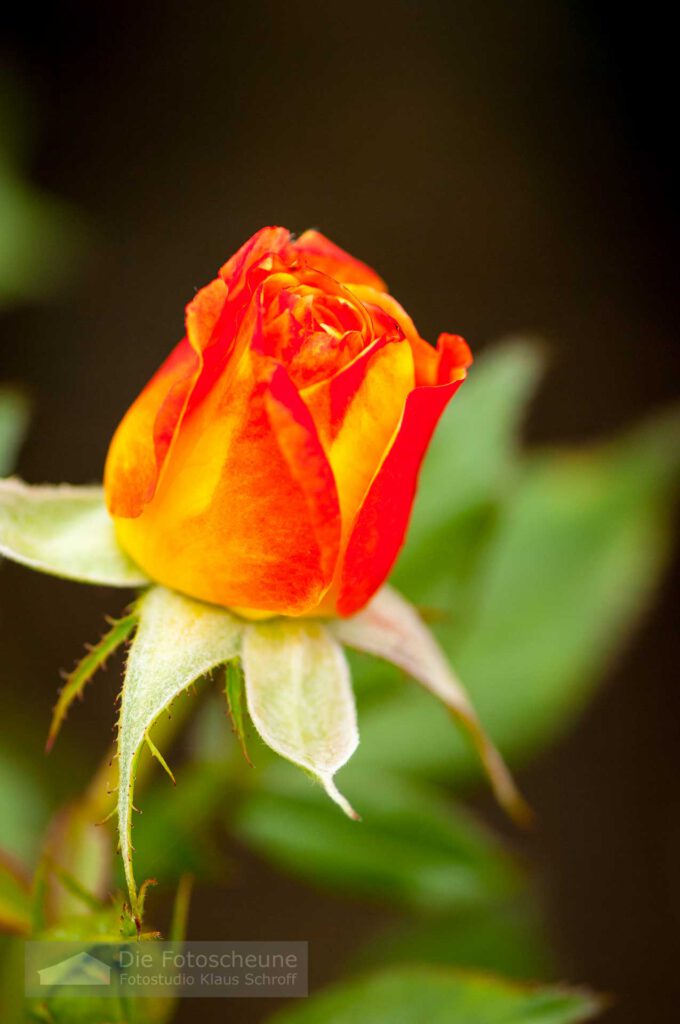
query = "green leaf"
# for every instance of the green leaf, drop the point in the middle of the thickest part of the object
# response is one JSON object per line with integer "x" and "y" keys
{"x": 430, "y": 995}
{"x": 178, "y": 641}
{"x": 574, "y": 559}
{"x": 390, "y": 628}
{"x": 13, "y": 423}
{"x": 579, "y": 552}
{"x": 412, "y": 848}
{"x": 15, "y": 898}
{"x": 77, "y": 680}
{"x": 65, "y": 531}
{"x": 300, "y": 697}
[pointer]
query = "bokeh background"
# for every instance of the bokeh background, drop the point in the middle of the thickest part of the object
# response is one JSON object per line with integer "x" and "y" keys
{"x": 507, "y": 168}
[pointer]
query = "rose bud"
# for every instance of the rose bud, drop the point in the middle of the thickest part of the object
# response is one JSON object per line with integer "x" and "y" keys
{"x": 270, "y": 465}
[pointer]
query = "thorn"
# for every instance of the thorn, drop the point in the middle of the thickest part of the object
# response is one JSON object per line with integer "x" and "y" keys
{"x": 159, "y": 757}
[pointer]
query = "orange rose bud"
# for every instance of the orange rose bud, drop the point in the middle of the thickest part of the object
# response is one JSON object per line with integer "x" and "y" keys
{"x": 271, "y": 463}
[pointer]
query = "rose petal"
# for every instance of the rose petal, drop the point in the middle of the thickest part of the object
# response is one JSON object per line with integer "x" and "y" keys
{"x": 364, "y": 401}
{"x": 380, "y": 527}
{"x": 433, "y": 366}
{"x": 266, "y": 241}
{"x": 386, "y": 309}
{"x": 245, "y": 455}
{"x": 324, "y": 255}
{"x": 141, "y": 442}
{"x": 300, "y": 445}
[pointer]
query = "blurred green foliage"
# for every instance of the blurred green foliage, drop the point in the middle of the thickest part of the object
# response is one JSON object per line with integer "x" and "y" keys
{"x": 413, "y": 847}
{"x": 41, "y": 237}
{"x": 415, "y": 995}
{"x": 539, "y": 584}
{"x": 25, "y": 806}
{"x": 175, "y": 833}
{"x": 14, "y": 410}
{"x": 508, "y": 939}
{"x": 15, "y": 898}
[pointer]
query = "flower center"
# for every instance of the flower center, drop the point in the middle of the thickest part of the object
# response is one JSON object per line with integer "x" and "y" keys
{"x": 312, "y": 332}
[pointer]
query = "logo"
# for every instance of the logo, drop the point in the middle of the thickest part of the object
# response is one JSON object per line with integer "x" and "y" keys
{"x": 158, "y": 969}
{"x": 80, "y": 969}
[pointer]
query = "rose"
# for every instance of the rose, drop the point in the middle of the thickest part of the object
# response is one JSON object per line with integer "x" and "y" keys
{"x": 271, "y": 463}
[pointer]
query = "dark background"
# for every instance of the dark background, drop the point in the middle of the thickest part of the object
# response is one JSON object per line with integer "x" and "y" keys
{"x": 506, "y": 166}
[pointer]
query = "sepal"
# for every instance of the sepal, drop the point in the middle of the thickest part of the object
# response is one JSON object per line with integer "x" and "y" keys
{"x": 300, "y": 698}
{"x": 64, "y": 531}
{"x": 177, "y": 642}
{"x": 390, "y": 628}
{"x": 94, "y": 659}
